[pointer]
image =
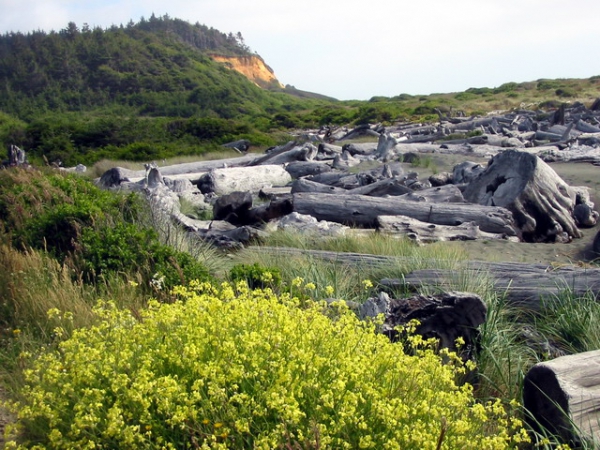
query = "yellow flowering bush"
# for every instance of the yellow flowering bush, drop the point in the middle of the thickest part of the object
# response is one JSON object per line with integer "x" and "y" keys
{"x": 229, "y": 367}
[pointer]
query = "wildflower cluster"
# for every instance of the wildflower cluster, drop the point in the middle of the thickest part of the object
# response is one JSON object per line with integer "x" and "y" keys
{"x": 229, "y": 367}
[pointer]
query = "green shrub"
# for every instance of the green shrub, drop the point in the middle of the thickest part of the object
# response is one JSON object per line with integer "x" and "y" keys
{"x": 232, "y": 368}
{"x": 128, "y": 248}
{"x": 255, "y": 275}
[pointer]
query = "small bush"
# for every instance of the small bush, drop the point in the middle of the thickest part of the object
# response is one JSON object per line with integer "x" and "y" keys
{"x": 232, "y": 368}
{"x": 256, "y": 276}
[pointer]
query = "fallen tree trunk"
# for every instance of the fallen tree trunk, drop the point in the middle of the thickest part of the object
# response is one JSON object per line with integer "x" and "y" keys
{"x": 428, "y": 232}
{"x": 252, "y": 179}
{"x": 525, "y": 285}
{"x": 361, "y": 210}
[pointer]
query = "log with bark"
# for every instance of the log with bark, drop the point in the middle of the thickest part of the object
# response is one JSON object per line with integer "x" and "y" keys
{"x": 360, "y": 210}
{"x": 541, "y": 202}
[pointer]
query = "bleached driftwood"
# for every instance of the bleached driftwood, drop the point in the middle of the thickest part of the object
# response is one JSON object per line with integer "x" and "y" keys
{"x": 362, "y": 210}
{"x": 252, "y": 179}
{"x": 429, "y": 232}
{"x": 563, "y": 396}
{"x": 541, "y": 202}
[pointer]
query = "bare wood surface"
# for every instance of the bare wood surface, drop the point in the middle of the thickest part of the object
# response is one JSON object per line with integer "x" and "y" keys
{"x": 564, "y": 392}
{"x": 363, "y": 211}
{"x": 541, "y": 202}
{"x": 429, "y": 232}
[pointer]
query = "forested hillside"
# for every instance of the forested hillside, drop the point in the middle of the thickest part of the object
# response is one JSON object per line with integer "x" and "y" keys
{"x": 151, "y": 90}
{"x": 140, "y": 91}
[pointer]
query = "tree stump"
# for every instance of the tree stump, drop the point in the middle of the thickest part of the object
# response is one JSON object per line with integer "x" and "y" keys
{"x": 541, "y": 202}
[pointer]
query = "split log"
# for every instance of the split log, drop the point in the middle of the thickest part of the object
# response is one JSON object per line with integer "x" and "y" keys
{"x": 424, "y": 232}
{"x": 362, "y": 211}
{"x": 541, "y": 202}
{"x": 252, "y": 179}
{"x": 563, "y": 397}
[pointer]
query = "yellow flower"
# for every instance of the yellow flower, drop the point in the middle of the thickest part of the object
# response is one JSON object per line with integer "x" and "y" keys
{"x": 367, "y": 284}
{"x": 16, "y": 332}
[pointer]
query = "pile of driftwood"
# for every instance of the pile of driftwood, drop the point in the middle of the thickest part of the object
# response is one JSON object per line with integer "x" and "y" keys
{"x": 516, "y": 196}
{"x": 322, "y": 183}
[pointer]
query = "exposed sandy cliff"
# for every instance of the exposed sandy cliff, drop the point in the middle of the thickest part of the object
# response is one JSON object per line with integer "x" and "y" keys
{"x": 252, "y": 67}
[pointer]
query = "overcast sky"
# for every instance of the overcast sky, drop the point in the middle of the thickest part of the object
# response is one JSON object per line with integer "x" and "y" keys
{"x": 357, "y": 49}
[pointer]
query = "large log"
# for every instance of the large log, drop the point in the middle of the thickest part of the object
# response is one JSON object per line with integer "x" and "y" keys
{"x": 525, "y": 285}
{"x": 429, "y": 232}
{"x": 563, "y": 396}
{"x": 541, "y": 202}
{"x": 361, "y": 210}
{"x": 298, "y": 169}
{"x": 252, "y": 179}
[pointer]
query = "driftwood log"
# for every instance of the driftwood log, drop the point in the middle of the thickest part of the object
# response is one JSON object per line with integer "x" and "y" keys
{"x": 525, "y": 285}
{"x": 360, "y": 210}
{"x": 562, "y": 396}
{"x": 424, "y": 232}
{"x": 541, "y": 202}
{"x": 251, "y": 179}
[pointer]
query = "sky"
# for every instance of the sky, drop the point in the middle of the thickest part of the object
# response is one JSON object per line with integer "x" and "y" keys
{"x": 356, "y": 49}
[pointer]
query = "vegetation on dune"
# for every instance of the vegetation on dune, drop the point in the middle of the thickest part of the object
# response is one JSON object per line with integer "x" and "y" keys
{"x": 156, "y": 398}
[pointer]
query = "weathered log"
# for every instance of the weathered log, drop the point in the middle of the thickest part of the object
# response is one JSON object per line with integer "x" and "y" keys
{"x": 305, "y": 185}
{"x": 306, "y": 152}
{"x": 363, "y": 211}
{"x": 424, "y": 232}
{"x": 541, "y": 202}
{"x": 448, "y": 193}
{"x": 382, "y": 188}
{"x": 252, "y": 179}
{"x": 242, "y": 145}
{"x": 365, "y": 148}
{"x": 525, "y": 285}
{"x": 562, "y": 396}
{"x": 298, "y": 169}
{"x": 466, "y": 171}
